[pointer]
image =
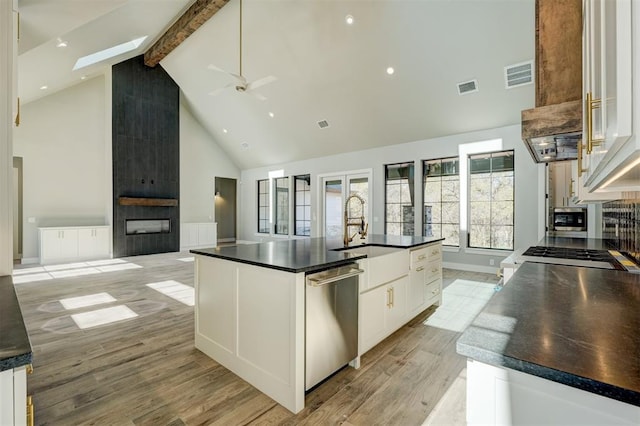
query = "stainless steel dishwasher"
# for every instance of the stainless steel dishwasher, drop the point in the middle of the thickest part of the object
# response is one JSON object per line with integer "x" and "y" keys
{"x": 331, "y": 321}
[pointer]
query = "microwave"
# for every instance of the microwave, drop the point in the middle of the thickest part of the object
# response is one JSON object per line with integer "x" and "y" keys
{"x": 570, "y": 219}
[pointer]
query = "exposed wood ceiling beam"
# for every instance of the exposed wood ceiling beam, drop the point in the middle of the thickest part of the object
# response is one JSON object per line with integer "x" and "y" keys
{"x": 199, "y": 12}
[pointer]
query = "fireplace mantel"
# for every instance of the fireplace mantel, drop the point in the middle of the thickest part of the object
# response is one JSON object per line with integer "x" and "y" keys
{"x": 149, "y": 202}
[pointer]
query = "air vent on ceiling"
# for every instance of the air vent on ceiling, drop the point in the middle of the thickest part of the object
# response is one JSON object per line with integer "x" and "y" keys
{"x": 323, "y": 124}
{"x": 467, "y": 87}
{"x": 517, "y": 75}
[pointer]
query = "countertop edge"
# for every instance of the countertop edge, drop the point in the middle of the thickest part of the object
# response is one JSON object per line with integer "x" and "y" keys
{"x": 20, "y": 350}
{"x": 568, "y": 379}
{"x": 312, "y": 268}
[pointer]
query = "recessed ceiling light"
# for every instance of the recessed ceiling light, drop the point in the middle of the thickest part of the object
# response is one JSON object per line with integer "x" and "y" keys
{"x": 244, "y": 145}
{"x": 45, "y": 87}
{"x": 224, "y": 130}
{"x": 348, "y": 19}
{"x": 61, "y": 43}
{"x": 390, "y": 70}
{"x": 84, "y": 77}
{"x": 105, "y": 54}
{"x": 271, "y": 115}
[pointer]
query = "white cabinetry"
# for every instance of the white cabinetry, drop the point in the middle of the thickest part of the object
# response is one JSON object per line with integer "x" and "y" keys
{"x": 73, "y": 243}
{"x": 13, "y": 397}
{"x": 503, "y": 396}
{"x": 425, "y": 286}
{"x": 198, "y": 235}
{"x": 93, "y": 242}
{"x": 392, "y": 293}
{"x": 610, "y": 148}
{"x": 382, "y": 311}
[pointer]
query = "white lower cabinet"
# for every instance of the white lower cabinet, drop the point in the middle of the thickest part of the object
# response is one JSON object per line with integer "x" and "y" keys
{"x": 198, "y": 235}
{"x": 386, "y": 306}
{"x": 382, "y": 311}
{"x": 93, "y": 242}
{"x": 13, "y": 397}
{"x": 502, "y": 396}
{"x": 63, "y": 244}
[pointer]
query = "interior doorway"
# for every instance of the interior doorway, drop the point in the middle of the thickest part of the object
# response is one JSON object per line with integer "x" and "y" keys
{"x": 225, "y": 208}
{"x": 17, "y": 209}
{"x": 335, "y": 191}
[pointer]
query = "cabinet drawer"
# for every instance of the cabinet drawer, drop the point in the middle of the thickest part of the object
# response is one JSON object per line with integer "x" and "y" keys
{"x": 418, "y": 256}
{"x": 434, "y": 252}
{"x": 433, "y": 290}
{"x": 433, "y": 271}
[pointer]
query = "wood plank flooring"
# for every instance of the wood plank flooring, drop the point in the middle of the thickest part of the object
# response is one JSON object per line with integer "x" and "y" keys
{"x": 146, "y": 371}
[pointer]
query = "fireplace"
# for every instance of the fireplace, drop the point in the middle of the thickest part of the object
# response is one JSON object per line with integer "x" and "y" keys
{"x": 147, "y": 226}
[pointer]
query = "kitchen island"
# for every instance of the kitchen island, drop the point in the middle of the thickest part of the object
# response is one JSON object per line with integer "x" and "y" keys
{"x": 15, "y": 358}
{"x": 250, "y": 301}
{"x": 557, "y": 345}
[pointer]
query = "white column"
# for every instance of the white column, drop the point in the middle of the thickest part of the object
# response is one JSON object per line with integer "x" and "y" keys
{"x": 7, "y": 99}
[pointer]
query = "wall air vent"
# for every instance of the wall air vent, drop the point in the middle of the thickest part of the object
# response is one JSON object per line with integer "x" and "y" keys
{"x": 323, "y": 124}
{"x": 467, "y": 87}
{"x": 518, "y": 74}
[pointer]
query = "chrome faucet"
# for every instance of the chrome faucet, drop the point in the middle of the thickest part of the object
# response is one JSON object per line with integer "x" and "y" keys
{"x": 354, "y": 221}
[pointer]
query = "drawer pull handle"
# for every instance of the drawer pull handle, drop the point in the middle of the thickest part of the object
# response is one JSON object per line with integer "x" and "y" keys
{"x": 435, "y": 270}
{"x": 30, "y": 410}
{"x": 435, "y": 252}
{"x": 422, "y": 257}
{"x": 420, "y": 268}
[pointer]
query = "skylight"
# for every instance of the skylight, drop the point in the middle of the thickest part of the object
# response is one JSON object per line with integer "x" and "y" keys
{"x": 105, "y": 54}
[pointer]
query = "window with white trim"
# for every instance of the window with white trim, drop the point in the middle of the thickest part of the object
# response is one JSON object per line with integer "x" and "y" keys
{"x": 491, "y": 200}
{"x": 441, "y": 199}
{"x": 263, "y": 206}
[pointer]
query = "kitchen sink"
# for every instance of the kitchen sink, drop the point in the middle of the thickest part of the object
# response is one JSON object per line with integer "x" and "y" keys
{"x": 371, "y": 251}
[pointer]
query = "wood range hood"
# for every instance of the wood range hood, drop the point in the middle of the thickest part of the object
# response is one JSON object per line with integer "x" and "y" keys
{"x": 553, "y": 128}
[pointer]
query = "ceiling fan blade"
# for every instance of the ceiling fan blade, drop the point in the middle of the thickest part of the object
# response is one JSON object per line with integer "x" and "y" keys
{"x": 261, "y": 82}
{"x": 216, "y": 92}
{"x": 214, "y": 68}
{"x": 258, "y": 96}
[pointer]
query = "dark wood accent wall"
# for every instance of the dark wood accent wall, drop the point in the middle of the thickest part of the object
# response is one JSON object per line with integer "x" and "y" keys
{"x": 146, "y": 154}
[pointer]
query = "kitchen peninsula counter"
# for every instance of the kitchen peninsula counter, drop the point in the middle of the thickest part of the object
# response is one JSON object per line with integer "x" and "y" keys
{"x": 568, "y": 325}
{"x": 308, "y": 254}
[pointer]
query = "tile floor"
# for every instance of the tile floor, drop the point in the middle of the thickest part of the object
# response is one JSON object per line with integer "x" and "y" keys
{"x": 462, "y": 300}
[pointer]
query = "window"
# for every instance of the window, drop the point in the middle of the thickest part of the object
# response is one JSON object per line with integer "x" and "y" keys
{"x": 263, "y": 206}
{"x": 302, "y": 200}
{"x": 281, "y": 203}
{"x": 399, "y": 207}
{"x": 491, "y": 200}
{"x": 441, "y": 208}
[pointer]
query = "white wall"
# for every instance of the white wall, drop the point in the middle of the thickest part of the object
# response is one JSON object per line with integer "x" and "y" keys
{"x": 201, "y": 160}
{"x": 529, "y": 186}
{"x": 62, "y": 141}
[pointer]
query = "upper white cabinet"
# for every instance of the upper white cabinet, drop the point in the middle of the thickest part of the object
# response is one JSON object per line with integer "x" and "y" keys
{"x": 610, "y": 147}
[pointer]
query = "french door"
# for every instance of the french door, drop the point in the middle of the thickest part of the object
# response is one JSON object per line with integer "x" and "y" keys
{"x": 334, "y": 193}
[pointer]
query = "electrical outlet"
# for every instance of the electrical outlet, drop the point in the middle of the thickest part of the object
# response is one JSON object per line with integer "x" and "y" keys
{"x": 491, "y": 262}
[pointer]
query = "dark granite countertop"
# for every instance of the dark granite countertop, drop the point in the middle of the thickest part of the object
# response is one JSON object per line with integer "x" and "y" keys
{"x": 15, "y": 348}
{"x": 577, "y": 243}
{"x": 576, "y": 326}
{"x": 307, "y": 254}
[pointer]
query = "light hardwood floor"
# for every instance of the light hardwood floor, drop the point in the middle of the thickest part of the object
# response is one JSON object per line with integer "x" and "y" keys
{"x": 146, "y": 371}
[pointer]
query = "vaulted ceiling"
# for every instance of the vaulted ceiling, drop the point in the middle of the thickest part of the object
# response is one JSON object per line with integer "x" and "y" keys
{"x": 325, "y": 69}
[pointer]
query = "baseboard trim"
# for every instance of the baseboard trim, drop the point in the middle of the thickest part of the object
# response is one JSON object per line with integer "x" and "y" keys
{"x": 29, "y": 260}
{"x": 470, "y": 268}
{"x": 226, "y": 240}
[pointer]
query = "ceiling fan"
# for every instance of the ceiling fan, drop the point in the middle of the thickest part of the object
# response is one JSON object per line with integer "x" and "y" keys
{"x": 241, "y": 84}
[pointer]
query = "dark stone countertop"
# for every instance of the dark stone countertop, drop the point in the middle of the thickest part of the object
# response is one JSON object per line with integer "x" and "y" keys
{"x": 15, "y": 348}
{"x": 575, "y": 326}
{"x": 307, "y": 254}
{"x": 576, "y": 243}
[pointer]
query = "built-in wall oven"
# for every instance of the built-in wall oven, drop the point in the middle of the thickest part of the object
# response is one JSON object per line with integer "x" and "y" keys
{"x": 573, "y": 219}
